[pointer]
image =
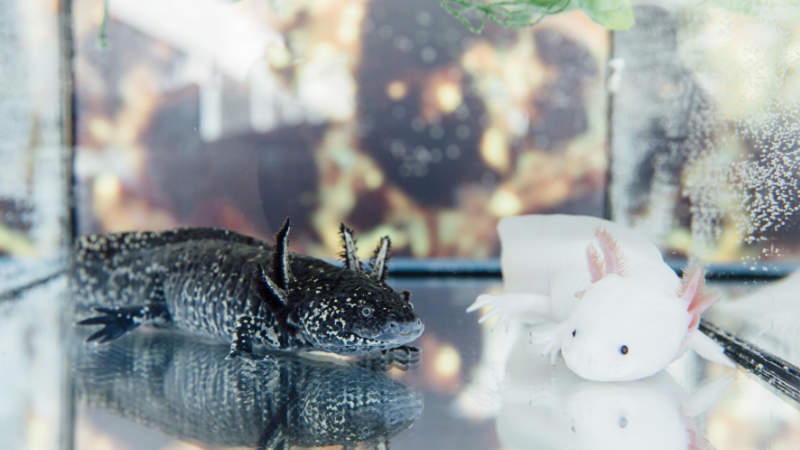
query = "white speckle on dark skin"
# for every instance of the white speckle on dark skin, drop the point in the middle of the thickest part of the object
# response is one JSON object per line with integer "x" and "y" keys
{"x": 208, "y": 278}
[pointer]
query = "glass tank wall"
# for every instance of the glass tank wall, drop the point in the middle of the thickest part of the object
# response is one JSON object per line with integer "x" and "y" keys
{"x": 390, "y": 116}
{"x": 428, "y": 122}
{"x": 34, "y": 225}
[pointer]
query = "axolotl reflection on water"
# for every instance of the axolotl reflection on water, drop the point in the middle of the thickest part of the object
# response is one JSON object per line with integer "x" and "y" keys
{"x": 600, "y": 295}
{"x": 233, "y": 288}
{"x": 537, "y": 404}
{"x": 545, "y": 406}
{"x": 187, "y": 389}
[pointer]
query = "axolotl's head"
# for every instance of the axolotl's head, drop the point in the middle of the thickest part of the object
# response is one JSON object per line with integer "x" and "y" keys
{"x": 353, "y": 313}
{"x": 347, "y": 310}
{"x": 621, "y": 330}
{"x": 625, "y": 328}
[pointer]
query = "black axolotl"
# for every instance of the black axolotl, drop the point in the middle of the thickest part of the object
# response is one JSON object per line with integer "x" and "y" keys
{"x": 233, "y": 288}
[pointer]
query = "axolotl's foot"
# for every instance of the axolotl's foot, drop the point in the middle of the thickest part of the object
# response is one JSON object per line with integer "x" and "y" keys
{"x": 511, "y": 306}
{"x": 118, "y": 321}
{"x": 547, "y": 338}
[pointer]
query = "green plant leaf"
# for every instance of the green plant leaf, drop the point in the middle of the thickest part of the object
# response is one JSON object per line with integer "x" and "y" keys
{"x": 613, "y": 14}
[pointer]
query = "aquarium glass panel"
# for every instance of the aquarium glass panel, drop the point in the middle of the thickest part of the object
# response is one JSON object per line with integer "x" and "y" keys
{"x": 705, "y": 126}
{"x": 392, "y": 117}
{"x": 34, "y": 223}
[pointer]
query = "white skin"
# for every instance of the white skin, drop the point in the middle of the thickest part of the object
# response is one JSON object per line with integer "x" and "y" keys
{"x": 626, "y": 327}
{"x": 565, "y": 273}
{"x": 623, "y": 331}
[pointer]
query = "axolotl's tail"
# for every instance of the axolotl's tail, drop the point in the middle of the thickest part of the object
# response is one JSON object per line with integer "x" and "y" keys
{"x": 766, "y": 316}
{"x": 698, "y": 299}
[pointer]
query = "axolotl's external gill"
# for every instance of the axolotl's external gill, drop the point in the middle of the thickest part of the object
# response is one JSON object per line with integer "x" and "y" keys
{"x": 233, "y": 288}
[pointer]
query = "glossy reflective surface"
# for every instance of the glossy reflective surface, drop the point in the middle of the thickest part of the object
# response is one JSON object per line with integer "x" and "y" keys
{"x": 188, "y": 389}
{"x": 481, "y": 389}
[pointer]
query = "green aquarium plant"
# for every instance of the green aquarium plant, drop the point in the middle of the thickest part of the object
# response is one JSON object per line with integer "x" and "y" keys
{"x": 613, "y": 14}
{"x": 103, "y": 43}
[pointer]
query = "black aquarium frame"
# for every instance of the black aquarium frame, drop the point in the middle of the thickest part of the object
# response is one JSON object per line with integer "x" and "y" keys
{"x": 490, "y": 268}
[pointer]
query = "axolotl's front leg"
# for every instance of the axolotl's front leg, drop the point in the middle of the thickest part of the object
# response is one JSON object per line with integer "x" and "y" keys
{"x": 313, "y": 305}
{"x": 513, "y": 306}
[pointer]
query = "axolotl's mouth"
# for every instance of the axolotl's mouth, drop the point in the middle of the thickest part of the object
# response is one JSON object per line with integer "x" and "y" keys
{"x": 394, "y": 332}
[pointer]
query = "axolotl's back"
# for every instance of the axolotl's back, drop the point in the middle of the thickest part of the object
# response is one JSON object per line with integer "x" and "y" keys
{"x": 123, "y": 269}
{"x": 540, "y": 254}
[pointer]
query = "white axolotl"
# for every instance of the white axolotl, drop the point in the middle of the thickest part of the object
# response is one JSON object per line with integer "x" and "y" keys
{"x": 600, "y": 294}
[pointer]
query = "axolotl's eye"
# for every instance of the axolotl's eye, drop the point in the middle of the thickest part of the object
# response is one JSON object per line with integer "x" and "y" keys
{"x": 574, "y": 332}
{"x": 366, "y": 311}
{"x": 624, "y": 349}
